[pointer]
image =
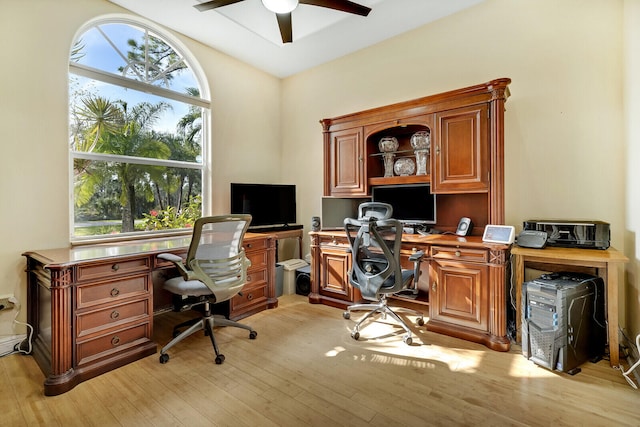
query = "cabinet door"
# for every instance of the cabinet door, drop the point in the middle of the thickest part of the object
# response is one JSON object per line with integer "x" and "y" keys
{"x": 461, "y": 152}
{"x": 334, "y": 274}
{"x": 458, "y": 296}
{"x": 346, "y": 164}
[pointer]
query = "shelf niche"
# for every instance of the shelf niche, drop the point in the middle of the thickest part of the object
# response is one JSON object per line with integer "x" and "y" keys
{"x": 375, "y": 163}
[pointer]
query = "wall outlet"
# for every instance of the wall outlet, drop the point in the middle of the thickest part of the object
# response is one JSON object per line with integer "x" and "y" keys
{"x": 6, "y": 303}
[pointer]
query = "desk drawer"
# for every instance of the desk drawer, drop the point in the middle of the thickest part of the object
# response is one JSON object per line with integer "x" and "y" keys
{"x": 462, "y": 254}
{"x": 255, "y": 278}
{"x": 111, "y": 343}
{"x": 252, "y": 297}
{"x": 112, "y": 269}
{"x": 91, "y": 322}
{"x": 258, "y": 260}
{"x": 255, "y": 244}
{"x": 108, "y": 292}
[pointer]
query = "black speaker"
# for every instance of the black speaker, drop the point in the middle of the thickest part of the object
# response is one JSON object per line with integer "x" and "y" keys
{"x": 464, "y": 226}
{"x": 315, "y": 223}
{"x": 303, "y": 280}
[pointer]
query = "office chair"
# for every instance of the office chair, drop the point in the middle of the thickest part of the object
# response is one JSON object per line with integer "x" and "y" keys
{"x": 214, "y": 271}
{"x": 375, "y": 240}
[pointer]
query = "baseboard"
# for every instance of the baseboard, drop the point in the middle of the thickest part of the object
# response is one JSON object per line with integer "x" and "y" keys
{"x": 8, "y": 343}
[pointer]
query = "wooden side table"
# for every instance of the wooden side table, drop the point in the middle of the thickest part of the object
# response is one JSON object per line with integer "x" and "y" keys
{"x": 607, "y": 264}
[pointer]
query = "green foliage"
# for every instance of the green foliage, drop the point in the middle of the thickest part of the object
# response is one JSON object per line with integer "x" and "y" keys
{"x": 170, "y": 217}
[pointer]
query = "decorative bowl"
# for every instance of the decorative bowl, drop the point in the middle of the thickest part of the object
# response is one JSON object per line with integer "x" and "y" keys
{"x": 388, "y": 144}
{"x": 404, "y": 166}
{"x": 421, "y": 140}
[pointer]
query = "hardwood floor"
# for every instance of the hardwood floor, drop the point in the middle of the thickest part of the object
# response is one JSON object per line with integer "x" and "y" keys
{"x": 304, "y": 369}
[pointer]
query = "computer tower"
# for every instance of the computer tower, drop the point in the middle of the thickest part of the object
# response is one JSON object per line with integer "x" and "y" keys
{"x": 563, "y": 320}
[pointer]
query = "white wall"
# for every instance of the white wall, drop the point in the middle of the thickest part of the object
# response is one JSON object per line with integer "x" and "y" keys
{"x": 631, "y": 91}
{"x": 34, "y": 189}
{"x": 564, "y": 132}
{"x": 566, "y": 139}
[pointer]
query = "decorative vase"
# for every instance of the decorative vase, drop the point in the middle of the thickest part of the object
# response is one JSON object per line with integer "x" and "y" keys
{"x": 404, "y": 166}
{"x": 421, "y": 143}
{"x": 388, "y": 146}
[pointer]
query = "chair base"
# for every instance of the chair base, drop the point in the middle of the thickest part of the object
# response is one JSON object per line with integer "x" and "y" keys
{"x": 206, "y": 323}
{"x": 383, "y": 309}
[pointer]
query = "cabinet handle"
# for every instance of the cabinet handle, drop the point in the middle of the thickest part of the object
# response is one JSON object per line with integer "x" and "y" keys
{"x": 249, "y": 297}
{"x": 434, "y": 285}
{"x": 115, "y": 314}
{"x": 458, "y": 253}
{"x": 438, "y": 149}
{"x": 115, "y": 267}
{"x": 115, "y": 340}
{"x": 248, "y": 278}
{"x": 115, "y": 292}
{"x": 248, "y": 245}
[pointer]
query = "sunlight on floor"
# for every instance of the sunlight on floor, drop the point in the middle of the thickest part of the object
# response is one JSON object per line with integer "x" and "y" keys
{"x": 382, "y": 339}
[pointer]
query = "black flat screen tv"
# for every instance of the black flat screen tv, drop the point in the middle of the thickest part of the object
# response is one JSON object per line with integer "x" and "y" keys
{"x": 412, "y": 204}
{"x": 268, "y": 204}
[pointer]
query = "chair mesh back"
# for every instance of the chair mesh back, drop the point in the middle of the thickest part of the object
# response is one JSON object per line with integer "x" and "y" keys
{"x": 216, "y": 254}
{"x": 375, "y": 241}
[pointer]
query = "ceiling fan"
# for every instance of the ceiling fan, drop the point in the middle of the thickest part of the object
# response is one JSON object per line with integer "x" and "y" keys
{"x": 283, "y": 9}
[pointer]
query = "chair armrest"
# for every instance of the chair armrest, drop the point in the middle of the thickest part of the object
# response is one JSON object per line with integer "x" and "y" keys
{"x": 416, "y": 256}
{"x": 179, "y": 262}
{"x": 171, "y": 257}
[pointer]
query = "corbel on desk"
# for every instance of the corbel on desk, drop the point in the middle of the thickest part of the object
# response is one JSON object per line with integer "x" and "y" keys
{"x": 606, "y": 263}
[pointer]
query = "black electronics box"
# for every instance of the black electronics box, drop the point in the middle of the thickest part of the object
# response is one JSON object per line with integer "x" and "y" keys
{"x": 563, "y": 320}
{"x": 572, "y": 233}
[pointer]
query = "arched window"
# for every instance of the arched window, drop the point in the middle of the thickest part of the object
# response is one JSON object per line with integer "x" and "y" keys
{"x": 137, "y": 120}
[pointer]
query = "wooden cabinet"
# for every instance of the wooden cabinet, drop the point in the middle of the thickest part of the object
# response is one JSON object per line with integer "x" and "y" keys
{"x": 92, "y": 307}
{"x": 458, "y": 294}
{"x": 466, "y": 154}
{"x": 346, "y": 176}
{"x": 463, "y": 280}
{"x": 258, "y": 292}
{"x": 461, "y": 285}
{"x": 461, "y": 151}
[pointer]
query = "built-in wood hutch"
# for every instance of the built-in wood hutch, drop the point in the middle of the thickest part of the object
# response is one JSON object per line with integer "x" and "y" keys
{"x": 463, "y": 279}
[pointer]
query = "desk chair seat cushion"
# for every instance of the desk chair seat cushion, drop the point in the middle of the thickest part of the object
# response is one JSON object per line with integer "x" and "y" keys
{"x": 179, "y": 286}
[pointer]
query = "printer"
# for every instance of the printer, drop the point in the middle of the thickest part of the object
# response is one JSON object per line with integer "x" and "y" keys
{"x": 572, "y": 233}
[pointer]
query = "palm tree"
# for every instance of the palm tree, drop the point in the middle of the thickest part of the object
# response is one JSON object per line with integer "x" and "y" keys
{"x": 113, "y": 128}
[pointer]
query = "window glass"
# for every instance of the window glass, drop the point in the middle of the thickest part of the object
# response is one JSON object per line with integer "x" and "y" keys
{"x": 136, "y": 129}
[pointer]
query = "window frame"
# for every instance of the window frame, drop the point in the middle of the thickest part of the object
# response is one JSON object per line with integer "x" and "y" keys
{"x": 203, "y": 102}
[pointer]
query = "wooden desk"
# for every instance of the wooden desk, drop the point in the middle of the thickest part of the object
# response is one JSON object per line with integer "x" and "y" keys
{"x": 91, "y": 307}
{"x": 606, "y": 263}
{"x": 284, "y": 232}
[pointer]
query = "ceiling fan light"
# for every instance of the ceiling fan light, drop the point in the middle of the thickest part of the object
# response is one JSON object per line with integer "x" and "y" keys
{"x": 280, "y": 6}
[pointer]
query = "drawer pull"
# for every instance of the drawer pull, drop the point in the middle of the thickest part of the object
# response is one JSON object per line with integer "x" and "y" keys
{"x": 115, "y": 267}
{"x": 115, "y": 314}
{"x": 434, "y": 285}
{"x": 115, "y": 292}
{"x": 115, "y": 340}
{"x": 248, "y": 278}
{"x": 458, "y": 253}
{"x": 249, "y": 297}
{"x": 249, "y": 245}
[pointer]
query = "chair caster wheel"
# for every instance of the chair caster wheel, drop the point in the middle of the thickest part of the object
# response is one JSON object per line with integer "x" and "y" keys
{"x": 219, "y": 359}
{"x": 408, "y": 340}
{"x": 164, "y": 358}
{"x": 253, "y": 335}
{"x": 420, "y": 321}
{"x": 355, "y": 335}
{"x": 346, "y": 315}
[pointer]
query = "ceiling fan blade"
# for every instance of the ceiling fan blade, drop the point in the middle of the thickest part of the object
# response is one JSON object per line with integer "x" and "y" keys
{"x": 341, "y": 5}
{"x": 214, "y": 4}
{"x": 284, "y": 22}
